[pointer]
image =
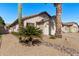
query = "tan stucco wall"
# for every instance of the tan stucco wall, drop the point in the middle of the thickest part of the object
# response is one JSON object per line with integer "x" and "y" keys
{"x": 44, "y": 27}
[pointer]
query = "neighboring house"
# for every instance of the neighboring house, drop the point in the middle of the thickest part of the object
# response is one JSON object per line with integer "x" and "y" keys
{"x": 42, "y": 20}
{"x": 70, "y": 27}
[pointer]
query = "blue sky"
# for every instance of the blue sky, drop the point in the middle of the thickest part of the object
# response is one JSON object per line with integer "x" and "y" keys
{"x": 9, "y": 11}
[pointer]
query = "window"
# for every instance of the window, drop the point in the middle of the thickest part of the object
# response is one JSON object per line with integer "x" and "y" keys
{"x": 30, "y": 24}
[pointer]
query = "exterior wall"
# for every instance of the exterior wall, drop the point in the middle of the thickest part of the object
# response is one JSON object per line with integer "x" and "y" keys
{"x": 53, "y": 30}
{"x": 44, "y": 27}
{"x": 74, "y": 28}
{"x": 36, "y": 19}
{"x": 14, "y": 28}
{"x": 65, "y": 29}
{"x": 52, "y": 27}
{"x": 32, "y": 20}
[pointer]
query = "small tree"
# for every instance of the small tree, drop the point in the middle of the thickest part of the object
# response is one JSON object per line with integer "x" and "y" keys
{"x": 2, "y": 24}
{"x": 2, "y": 21}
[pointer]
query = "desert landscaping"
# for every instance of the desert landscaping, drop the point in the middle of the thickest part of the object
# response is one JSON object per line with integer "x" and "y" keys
{"x": 66, "y": 46}
{"x": 39, "y": 34}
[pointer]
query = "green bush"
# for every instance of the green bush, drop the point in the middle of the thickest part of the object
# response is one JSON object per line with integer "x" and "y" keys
{"x": 30, "y": 31}
{"x": 2, "y": 21}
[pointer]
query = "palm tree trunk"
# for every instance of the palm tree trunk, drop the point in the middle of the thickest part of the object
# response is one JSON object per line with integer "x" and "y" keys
{"x": 58, "y": 20}
{"x": 20, "y": 19}
{"x": 20, "y": 15}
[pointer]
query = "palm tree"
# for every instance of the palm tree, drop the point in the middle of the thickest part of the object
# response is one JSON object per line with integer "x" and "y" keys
{"x": 20, "y": 15}
{"x": 58, "y": 20}
{"x": 20, "y": 18}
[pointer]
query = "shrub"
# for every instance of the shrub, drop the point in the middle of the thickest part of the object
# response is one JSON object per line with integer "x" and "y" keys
{"x": 2, "y": 21}
{"x": 30, "y": 31}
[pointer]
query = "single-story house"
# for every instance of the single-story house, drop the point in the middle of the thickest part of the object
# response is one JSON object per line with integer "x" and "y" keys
{"x": 42, "y": 20}
{"x": 70, "y": 27}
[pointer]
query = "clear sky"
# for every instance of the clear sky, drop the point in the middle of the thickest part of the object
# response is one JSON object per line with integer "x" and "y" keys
{"x": 9, "y": 11}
